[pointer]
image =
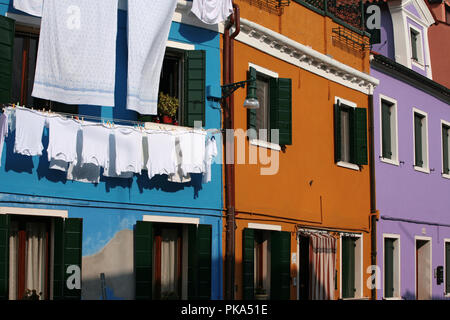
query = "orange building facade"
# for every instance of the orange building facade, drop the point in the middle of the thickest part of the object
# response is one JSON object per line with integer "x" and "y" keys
{"x": 303, "y": 203}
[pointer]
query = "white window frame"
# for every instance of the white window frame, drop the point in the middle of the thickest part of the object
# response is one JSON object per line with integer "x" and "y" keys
{"x": 359, "y": 255}
{"x": 397, "y": 266}
{"x": 444, "y": 123}
{"x": 419, "y": 45}
{"x": 426, "y": 168}
{"x": 394, "y": 131}
{"x": 446, "y": 294}
{"x": 430, "y": 239}
{"x": 351, "y": 104}
{"x": 258, "y": 142}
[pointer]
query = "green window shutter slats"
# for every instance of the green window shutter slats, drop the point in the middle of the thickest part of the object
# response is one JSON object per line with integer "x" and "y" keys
{"x": 4, "y": 256}
{"x": 281, "y": 108}
{"x": 143, "y": 256}
{"x": 359, "y": 135}
{"x": 199, "y": 262}
{"x": 194, "y": 87}
{"x": 418, "y": 140}
{"x": 445, "y": 149}
{"x": 414, "y": 37}
{"x": 386, "y": 130}
{"x": 7, "y": 30}
{"x": 280, "y": 265}
{"x": 68, "y": 235}
{"x": 251, "y": 113}
{"x": 348, "y": 267}
{"x": 337, "y": 133}
{"x": 389, "y": 268}
{"x": 447, "y": 267}
{"x": 248, "y": 264}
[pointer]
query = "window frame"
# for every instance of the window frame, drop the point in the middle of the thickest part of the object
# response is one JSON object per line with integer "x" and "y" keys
{"x": 359, "y": 256}
{"x": 394, "y": 130}
{"x": 446, "y": 294}
{"x": 445, "y": 124}
{"x": 419, "y": 46}
{"x": 425, "y": 155}
{"x": 397, "y": 266}
{"x": 350, "y": 104}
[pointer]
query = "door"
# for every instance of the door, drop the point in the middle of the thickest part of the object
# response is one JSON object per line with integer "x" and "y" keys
{"x": 304, "y": 268}
{"x": 423, "y": 269}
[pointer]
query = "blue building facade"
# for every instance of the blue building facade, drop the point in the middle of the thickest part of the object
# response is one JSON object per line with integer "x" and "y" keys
{"x": 116, "y": 227}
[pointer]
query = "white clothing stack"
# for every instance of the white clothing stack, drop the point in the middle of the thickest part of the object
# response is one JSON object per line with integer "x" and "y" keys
{"x": 161, "y": 153}
{"x": 62, "y": 143}
{"x": 148, "y": 30}
{"x": 76, "y": 60}
{"x": 212, "y": 11}
{"x": 32, "y": 7}
{"x": 128, "y": 146}
{"x": 3, "y": 132}
{"x": 29, "y": 129}
{"x": 192, "y": 148}
{"x": 210, "y": 153}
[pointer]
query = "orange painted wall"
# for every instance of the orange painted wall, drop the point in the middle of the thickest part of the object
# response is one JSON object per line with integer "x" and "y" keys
{"x": 309, "y": 188}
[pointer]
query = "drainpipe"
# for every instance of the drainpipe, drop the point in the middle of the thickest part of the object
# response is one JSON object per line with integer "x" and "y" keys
{"x": 373, "y": 203}
{"x": 228, "y": 107}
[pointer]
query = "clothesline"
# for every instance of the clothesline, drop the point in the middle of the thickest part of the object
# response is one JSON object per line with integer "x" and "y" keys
{"x": 112, "y": 123}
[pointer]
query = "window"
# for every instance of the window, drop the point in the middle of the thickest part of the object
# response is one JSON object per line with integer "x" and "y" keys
{"x": 446, "y": 148}
{"x": 172, "y": 261}
{"x": 351, "y": 267}
{"x": 391, "y": 266}
{"x": 266, "y": 264}
{"x": 24, "y": 65}
{"x": 38, "y": 252}
{"x": 420, "y": 141}
{"x": 389, "y": 148}
{"x": 275, "y": 108}
{"x": 183, "y": 77}
{"x": 447, "y": 267}
{"x": 416, "y": 45}
{"x": 350, "y": 134}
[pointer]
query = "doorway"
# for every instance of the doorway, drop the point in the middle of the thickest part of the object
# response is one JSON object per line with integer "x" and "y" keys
{"x": 423, "y": 269}
{"x": 304, "y": 268}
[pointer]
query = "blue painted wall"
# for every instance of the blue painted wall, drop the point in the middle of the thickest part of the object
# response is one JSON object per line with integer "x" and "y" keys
{"x": 116, "y": 204}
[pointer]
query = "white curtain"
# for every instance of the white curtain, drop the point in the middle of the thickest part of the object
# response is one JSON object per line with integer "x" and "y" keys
{"x": 168, "y": 261}
{"x": 35, "y": 259}
{"x": 322, "y": 266}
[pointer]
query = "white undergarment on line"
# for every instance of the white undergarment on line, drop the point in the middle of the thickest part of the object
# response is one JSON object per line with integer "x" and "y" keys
{"x": 32, "y": 7}
{"x": 95, "y": 145}
{"x": 62, "y": 144}
{"x": 29, "y": 129}
{"x": 161, "y": 153}
{"x": 192, "y": 148}
{"x": 128, "y": 145}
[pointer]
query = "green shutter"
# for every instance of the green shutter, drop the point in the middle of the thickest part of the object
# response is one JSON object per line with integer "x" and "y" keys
{"x": 418, "y": 140}
{"x": 248, "y": 264}
{"x": 359, "y": 136}
{"x": 194, "y": 87}
{"x": 386, "y": 129}
{"x": 389, "y": 268}
{"x": 143, "y": 258}
{"x": 348, "y": 267}
{"x": 337, "y": 133}
{"x": 280, "y": 265}
{"x": 281, "y": 109}
{"x": 68, "y": 235}
{"x": 445, "y": 149}
{"x": 447, "y": 267}
{"x": 199, "y": 262}
{"x": 414, "y": 44}
{"x": 4, "y": 256}
{"x": 251, "y": 113}
{"x": 7, "y": 29}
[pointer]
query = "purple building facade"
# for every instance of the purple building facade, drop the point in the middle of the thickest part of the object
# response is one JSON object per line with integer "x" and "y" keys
{"x": 411, "y": 141}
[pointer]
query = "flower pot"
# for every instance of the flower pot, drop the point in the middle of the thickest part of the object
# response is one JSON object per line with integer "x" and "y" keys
{"x": 156, "y": 119}
{"x": 261, "y": 297}
{"x": 167, "y": 120}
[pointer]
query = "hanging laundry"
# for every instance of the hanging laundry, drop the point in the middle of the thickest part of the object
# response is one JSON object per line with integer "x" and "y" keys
{"x": 95, "y": 145}
{"x": 110, "y": 170}
{"x": 32, "y": 7}
{"x": 148, "y": 30}
{"x": 62, "y": 143}
{"x": 11, "y": 114}
{"x": 212, "y": 11}
{"x": 192, "y": 148}
{"x": 3, "y": 132}
{"x": 161, "y": 153}
{"x": 128, "y": 145}
{"x": 76, "y": 60}
{"x": 210, "y": 154}
{"x": 29, "y": 129}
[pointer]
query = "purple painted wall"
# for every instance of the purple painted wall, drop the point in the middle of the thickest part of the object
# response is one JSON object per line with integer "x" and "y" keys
{"x": 402, "y": 192}
{"x": 386, "y": 46}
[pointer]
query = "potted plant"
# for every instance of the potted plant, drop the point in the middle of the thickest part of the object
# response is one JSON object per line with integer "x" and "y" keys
{"x": 261, "y": 294}
{"x": 167, "y": 107}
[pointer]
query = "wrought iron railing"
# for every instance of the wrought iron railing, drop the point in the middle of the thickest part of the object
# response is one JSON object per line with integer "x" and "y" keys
{"x": 272, "y": 6}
